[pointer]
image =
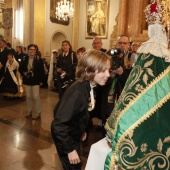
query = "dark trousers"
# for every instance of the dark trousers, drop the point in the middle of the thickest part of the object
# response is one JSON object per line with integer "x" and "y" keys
{"x": 64, "y": 157}
{"x": 60, "y": 89}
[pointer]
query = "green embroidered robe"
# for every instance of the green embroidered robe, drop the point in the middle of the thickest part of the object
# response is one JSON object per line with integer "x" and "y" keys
{"x": 139, "y": 126}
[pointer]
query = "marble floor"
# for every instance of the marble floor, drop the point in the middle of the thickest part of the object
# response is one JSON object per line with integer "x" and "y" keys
{"x": 26, "y": 144}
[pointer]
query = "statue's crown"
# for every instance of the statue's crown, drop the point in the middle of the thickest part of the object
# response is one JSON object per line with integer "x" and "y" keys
{"x": 158, "y": 12}
{"x": 153, "y": 13}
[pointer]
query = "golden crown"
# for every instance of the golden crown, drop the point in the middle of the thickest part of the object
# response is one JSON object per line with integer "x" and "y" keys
{"x": 158, "y": 12}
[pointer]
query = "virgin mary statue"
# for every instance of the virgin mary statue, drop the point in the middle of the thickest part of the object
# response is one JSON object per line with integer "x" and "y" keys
{"x": 139, "y": 126}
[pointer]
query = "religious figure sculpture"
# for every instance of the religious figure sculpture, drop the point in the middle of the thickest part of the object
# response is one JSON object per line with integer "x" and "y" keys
{"x": 138, "y": 128}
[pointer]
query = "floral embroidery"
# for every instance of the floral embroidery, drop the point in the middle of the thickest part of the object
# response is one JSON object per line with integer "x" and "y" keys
{"x": 144, "y": 147}
{"x": 150, "y": 158}
{"x": 139, "y": 88}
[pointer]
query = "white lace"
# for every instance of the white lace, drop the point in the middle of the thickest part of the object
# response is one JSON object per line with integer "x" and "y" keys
{"x": 157, "y": 44}
{"x": 50, "y": 74}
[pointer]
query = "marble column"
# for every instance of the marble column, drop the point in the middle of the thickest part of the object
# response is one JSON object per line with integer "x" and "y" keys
{"x": 39, "y": 24}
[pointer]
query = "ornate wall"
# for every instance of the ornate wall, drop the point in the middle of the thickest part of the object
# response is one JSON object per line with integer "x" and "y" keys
{"x": 130, "y": 21}
{"x": 39, "y": 24}
{"x": 8, "y": 32}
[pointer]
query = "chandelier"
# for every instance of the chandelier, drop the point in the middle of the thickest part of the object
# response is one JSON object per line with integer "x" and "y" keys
{"x": 64, "y": 10}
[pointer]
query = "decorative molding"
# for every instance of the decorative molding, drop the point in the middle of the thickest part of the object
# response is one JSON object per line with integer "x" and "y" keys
{"x": 130, "y": 21}
{"x": 7, "y": 18}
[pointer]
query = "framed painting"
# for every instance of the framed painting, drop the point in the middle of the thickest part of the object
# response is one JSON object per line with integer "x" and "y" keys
{"x": 97, "y": 18}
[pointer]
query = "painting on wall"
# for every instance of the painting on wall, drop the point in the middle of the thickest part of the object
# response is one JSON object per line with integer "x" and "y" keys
{"x": 53, "y": 5}
{"x": 97, "y": 18}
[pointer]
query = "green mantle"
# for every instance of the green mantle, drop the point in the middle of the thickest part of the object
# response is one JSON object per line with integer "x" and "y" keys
{"x": 139, "y": 126}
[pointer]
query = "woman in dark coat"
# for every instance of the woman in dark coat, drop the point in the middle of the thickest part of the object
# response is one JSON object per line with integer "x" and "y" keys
{"x": 66, "y": 63}
{"x": 11, "y": 83}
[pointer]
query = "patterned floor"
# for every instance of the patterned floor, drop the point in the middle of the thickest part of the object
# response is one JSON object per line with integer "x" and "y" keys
{"x": 27, "y": 144}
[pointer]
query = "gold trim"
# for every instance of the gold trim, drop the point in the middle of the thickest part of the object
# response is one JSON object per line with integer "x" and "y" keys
{"x": 138, "y": 96}
{"x": 145, "y": 117}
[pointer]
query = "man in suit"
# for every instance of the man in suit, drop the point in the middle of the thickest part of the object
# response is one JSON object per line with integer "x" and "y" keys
{"x": 3, "y": 56}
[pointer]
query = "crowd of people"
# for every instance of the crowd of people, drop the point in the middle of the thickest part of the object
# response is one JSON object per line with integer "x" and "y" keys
{"x": 10, "y": 61}
{"x": 21, "y": 74}
{"x": 126, "y": 87}
{"x": 25, "y": 72}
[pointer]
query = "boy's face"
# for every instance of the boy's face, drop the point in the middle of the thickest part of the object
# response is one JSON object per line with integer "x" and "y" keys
{"x": 102, "y": 77}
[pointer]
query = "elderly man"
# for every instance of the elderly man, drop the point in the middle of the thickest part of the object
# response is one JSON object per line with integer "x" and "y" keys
{"x": 123, "y": 43}
{"x": 97, "y": 44}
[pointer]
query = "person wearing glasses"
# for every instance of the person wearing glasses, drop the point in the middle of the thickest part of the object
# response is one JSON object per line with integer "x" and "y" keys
{"x": 97, "y": 44}
{"x": 123, "y": 42}
{"x": 32, "y": 72}
{"x": 120, "y": 70}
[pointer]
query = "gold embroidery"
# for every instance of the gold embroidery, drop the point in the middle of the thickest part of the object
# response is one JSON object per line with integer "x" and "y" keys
{"x": 149, "y": 158}
{"x": 145, "y": 117}
{"x": 126, "y": 97}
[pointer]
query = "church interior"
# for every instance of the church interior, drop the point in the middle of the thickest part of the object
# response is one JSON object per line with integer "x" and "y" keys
{"x": 27, "y": 144}
{"x": 35, "y": 22}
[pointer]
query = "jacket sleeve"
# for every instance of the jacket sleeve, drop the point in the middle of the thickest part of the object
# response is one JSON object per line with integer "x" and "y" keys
{"x": 75, "y": 60}
{"x": 42, "y": 71}
{"x": 23, "y": 66}
{"x": 65, "y": 117}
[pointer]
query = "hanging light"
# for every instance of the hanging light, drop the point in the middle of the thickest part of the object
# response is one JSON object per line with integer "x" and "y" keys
{"x": 64, "y": 10}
